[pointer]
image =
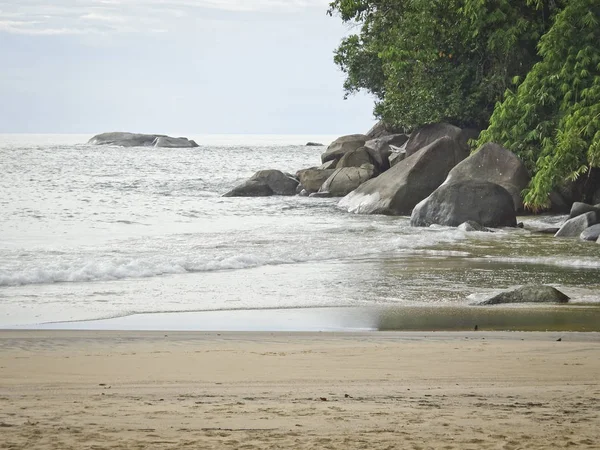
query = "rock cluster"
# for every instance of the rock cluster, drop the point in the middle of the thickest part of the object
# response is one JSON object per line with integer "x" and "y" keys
{"x": 583, "y": 222}
{"x": 141, "y": 140}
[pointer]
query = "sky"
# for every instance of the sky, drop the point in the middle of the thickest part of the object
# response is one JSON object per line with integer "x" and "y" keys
{"x": 174, "y": 66}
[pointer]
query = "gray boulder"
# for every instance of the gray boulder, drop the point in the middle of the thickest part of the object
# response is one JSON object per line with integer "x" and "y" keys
{"x": 141, "y": 140}
{"x": 312, "y": 179}
{"x": 399, "y": 189}
{"x": 432, "y": 132}
{"x": 343, "y": 145}
{"x": 471, "y": 225}
{"x": 265, "y": 183}
{"x": 357, "y": 158}
{"x": 575, "y": 226}
{"x": 396, "y": 157}
{"x": 380, "y": 129}
{"x": 381, "y": 148}
{"x": 579, "y": 208}
{"x": 495, "y": 164}
{"x": 486, "y": 203}
{"x": 313, "y": 144}
{"x": 346, "y": 179}
{"x": 533, "y": 293}
{"x": 328, "y": 165}
{"x": 590, "y": 234}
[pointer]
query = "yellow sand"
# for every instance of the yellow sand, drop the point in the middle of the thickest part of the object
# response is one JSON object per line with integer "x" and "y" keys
{"x": 137, "y": 390}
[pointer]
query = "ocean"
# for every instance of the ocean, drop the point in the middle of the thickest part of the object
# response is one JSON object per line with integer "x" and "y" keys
{"x": 94, "y": 234}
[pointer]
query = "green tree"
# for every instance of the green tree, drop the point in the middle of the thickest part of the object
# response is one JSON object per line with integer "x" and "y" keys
{"x": 439, "y": 60}
{"x": 552, "y": 120}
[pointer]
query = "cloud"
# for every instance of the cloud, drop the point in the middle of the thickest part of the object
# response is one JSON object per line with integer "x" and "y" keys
{"x": 130, "y": 16}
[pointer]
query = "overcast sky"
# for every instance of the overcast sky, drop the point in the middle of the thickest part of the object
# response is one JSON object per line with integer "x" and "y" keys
{"x": 174, "y": 66}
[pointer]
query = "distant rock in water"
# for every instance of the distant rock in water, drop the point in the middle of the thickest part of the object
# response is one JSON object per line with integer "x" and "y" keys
{"x": 314, "y": 144}
{"x": 265, "y": 183}
{"x": 532, "y": 293}
{"x": 141, "y": 140}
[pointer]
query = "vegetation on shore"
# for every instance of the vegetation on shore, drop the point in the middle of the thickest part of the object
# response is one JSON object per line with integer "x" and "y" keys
{"x": 528, "y": 73}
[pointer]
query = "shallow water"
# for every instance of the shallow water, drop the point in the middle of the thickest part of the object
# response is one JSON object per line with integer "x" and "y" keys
{"x": 102, "y": 232}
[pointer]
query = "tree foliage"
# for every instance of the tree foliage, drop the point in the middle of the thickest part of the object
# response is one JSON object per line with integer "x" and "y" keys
{"x": 552, "y": 120}
{"x": 439, "y": 60}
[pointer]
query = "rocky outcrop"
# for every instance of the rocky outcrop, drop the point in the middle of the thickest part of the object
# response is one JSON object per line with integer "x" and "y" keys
{"x": 264, "y": 183}
{"x": 343, "y": 145}
{"x": 575, "y": 226}
{"x": 381, "y": 149}
{"x": 141, "y": 140}
{"x": 347, "y": 179}
{"x": 312, "y": 179}
{"x": 533, "y": 293}
{"x": 399, "y": 189}
{"x": 432, "y": 132}
{"x": 495, "y": 164}
{"x": 486, "y": 203}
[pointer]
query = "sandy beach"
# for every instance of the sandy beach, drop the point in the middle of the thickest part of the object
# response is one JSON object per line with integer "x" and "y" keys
{"x": 413, "y": 390}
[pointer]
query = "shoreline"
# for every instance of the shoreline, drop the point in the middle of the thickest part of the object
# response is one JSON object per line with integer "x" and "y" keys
{"x": 263, "y": 390}
{"x": 571, "y": 317}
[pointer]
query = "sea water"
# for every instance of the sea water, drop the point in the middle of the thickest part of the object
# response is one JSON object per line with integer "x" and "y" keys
{"x": 96, "y": 232}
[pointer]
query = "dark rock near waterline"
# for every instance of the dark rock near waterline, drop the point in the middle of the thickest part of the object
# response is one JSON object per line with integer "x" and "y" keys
{"x": 575, "y": 226}
{"x": 432, "y": 132}
{"x": 579, "y": 208}
{"x": 486, "y": 203}
{"x": 533, "y": 293}
{"x": 313, "y": 144}
{"x": 399, "y": 189}
{"x": 493, "y": 163}
{"x": 343, "y": 145}
{"x": 141, "y": 140}
{"x": 344, "y": 180}
{"x": 312, "y": 179}
{"x": 471, "y": 225}
{"x": 591, "y": 233}
{"x": 321, "y": 195}
{"x": 264, "y": 183}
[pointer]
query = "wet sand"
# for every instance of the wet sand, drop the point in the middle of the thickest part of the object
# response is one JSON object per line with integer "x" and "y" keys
{"x": 413, "y": 390}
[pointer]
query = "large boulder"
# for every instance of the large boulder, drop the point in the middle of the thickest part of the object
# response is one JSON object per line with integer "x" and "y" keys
{"x": 343, "y": 145}
{"x": 432, "y": 132}
{"x": 579, "y": 208}
{"x": 312, "y": 179}
{"x": 381, "y": 148}
{"x": 380, "y": 129}
{"x": 486, "y": 203}
{"x": 141, "y": 140}
{"x": 494, "y": 163}
{"x": 591, "y": 233}
{"x": 265, "y": 183}
{"x": 357, "y": 158}
{"x": 532, "y": 293}
{"x": 399, "y": 189}
{"x": 575, "y": 226}
{"x": 344, "y": 180}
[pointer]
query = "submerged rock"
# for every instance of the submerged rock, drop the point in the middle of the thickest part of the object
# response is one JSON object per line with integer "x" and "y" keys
{"x": 532, "y": 293}
{"x": 141, "y": 140}
{"x": 471, "y": 225}
{"x": 264, "y": 183}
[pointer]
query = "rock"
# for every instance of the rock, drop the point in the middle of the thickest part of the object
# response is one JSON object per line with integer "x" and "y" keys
{"x": 575, "y": 226}
{"x": 357, "y": 158}
{"x": 140, "y": 140}
{"x": 396, "y": 157}
{"x": 399, "y": 189}
{"x": 328, "y": 165}
{"x": 321, "y": 195}
{"x": 265, "y": 183}
{"x": 495, "y": 164}
{"x": 579, "y": 208}
{"x": 343, "y": 145}
{"x": 313, "y": 144}
{"x": 471, "y": 225}
{"x": 378, "y": 130}
{"x": 550, "y": 230}
{"x": 532, "y": 293}
{"x": 432, "y": 132}
{"x": 347, "y": 179}
{"x": 454, "y": 203}
{"x": 381, "y": 148}
{"x": 591, "y": 233}
{"x": 312, "y": 179}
